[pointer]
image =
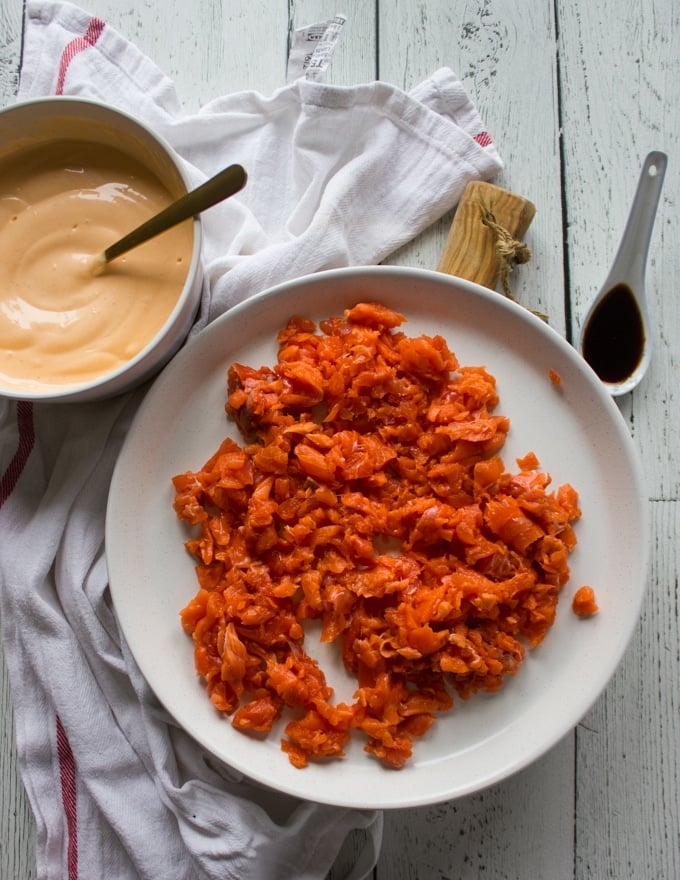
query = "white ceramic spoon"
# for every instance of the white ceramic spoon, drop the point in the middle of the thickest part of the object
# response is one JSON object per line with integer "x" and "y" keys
{"x": 615, "y": 338}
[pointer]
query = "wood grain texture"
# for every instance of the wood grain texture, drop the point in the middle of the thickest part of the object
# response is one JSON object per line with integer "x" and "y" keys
{"x": 10, "y": 50}
{"x": 208, "y": 48}
{"x": 16, "y": 823}
{"x": 486, "y": 234}
{"x": 628, "y": 746}
{"x": 618, "y": 63}
{"x": 504, "y": 53}
{"x": 511, "y": 831}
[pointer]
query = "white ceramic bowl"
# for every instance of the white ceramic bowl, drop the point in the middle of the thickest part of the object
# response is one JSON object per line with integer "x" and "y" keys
{"x": 28, "y": 124}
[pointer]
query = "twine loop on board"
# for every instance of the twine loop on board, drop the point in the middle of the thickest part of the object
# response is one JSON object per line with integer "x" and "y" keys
{"x": 509, "y": 250}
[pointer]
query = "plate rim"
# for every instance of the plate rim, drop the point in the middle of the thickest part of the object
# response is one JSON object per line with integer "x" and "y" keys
{"x": 212, "y": 332}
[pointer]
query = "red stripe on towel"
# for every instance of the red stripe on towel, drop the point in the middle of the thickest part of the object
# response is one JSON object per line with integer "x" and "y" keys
{"x": 77, "y": 44}
{"x": 26, "y": 440}
{"x": 67, "y": 774}
{"x": 483, "y": 138}
{"x": 25, "y": 410}
{"x": 25, "y": 443}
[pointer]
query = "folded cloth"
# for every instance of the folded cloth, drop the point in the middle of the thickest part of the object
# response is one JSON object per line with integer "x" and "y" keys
{"x": 339, "y": 176}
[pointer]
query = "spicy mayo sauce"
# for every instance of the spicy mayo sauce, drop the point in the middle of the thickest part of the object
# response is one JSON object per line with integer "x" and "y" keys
{"x": 60, "y": 206}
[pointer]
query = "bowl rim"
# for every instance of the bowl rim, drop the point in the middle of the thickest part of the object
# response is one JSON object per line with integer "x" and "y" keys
{"x": 107, "y": 383}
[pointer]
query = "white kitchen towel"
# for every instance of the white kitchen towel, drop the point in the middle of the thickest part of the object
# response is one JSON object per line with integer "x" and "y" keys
{"x": 337, "y": 176}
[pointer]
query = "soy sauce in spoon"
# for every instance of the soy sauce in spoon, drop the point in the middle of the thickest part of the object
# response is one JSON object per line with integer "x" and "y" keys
{"x": 614, "y": 336}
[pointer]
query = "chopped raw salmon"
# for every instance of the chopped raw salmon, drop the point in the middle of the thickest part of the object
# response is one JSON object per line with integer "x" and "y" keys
{"x": 369, "y": 494}
{"x": 584, "y": 603}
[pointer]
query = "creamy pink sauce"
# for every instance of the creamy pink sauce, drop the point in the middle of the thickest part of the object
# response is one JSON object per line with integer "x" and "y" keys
{"x": 61, "y": 324}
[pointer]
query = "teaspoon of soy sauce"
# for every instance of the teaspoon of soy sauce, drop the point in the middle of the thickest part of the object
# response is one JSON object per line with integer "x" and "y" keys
{"x": 615, "y": 338}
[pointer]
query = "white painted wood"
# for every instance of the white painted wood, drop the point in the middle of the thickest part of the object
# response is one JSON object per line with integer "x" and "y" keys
{"x": 619, "y": 67}
{"x": 10, "y": 49}
{"x": 628, "y": 746}
{"x": 211, "y": 48}
{"x": 504, "y": 52}
{"x": 208, "y": 48}
{"x": 16, "y": 822}
{"x": 605, "y": 802}
{"x": 518, "y": 829}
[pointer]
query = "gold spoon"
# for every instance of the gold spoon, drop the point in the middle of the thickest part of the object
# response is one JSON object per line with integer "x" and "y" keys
{"x": 214, "y": 190}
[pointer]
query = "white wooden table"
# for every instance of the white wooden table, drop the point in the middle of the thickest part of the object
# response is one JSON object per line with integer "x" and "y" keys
{"x": 575, "y": 94}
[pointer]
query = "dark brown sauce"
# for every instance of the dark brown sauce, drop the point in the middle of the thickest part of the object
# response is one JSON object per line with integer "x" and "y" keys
{"x": 614, "y": 337}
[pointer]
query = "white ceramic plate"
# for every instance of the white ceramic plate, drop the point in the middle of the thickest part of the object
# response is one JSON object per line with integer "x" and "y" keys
{"x": 577, "y": 433}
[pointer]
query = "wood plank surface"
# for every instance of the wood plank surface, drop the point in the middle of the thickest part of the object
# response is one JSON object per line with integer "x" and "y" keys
{"x": 575, "y": 94}
{"x": 16, "y": 822}
{"x": 509, "y": 69}
{"x": 619, "y": 63}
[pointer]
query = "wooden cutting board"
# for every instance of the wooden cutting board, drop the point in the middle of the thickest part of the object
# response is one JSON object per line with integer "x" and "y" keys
{"x": 485, "y": 238}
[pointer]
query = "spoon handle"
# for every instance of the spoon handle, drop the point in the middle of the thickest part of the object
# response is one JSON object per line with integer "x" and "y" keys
{"x": 214, "y": 190}
{"x": 631, "y": 258}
